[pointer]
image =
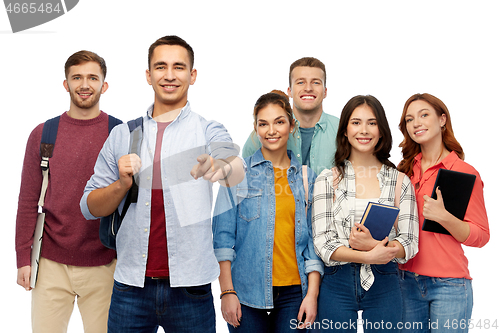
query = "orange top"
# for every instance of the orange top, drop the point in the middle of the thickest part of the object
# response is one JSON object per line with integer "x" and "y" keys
{"x": 285, "y": 268}
{"x": 442, "y": 255}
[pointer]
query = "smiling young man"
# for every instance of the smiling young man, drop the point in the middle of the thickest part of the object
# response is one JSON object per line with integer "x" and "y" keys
{"x": 73, "y": 261}
{"x": 166, "y": 261}
{"x": 313, "y": 142}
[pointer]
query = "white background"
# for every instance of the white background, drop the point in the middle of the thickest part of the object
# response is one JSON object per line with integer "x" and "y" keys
{"x": 389, "y": 49}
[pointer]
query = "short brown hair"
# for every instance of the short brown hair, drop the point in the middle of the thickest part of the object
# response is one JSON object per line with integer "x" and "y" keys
{"x": 83, "y": 56}
{"x": 306, "y": 62}
{"x": 171, "y": 40}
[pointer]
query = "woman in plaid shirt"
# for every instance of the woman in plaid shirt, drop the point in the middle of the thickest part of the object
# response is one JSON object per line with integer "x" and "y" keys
{"x": 361, "y": 273}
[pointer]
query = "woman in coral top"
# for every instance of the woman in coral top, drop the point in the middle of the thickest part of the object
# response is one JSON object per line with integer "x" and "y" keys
{"x": 270, "y": 273}
{"x": 436, "y": 283}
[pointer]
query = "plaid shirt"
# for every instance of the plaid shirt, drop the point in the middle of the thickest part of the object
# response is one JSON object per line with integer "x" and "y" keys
{"x": 332, "y": 220}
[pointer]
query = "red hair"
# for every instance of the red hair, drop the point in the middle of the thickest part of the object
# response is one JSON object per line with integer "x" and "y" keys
{"x": 410, "y": 148}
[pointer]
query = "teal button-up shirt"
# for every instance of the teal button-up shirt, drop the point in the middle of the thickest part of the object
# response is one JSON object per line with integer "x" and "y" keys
{"x": 323, "y": 145}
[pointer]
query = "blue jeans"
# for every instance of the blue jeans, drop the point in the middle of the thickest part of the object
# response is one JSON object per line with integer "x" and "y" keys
{"x": 179, "y": 309}
{"x": 280, "y": 319}
{"x": 341, "y": 297}
{"x": 436, "y": 304}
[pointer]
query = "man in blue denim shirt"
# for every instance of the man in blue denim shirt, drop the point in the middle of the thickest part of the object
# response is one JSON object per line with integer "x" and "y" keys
{"x": 313, "y": 142}
{"x": 165, "y": 255}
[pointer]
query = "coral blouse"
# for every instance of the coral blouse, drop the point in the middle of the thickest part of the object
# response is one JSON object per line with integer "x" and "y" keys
{"x": 442, "y": 255}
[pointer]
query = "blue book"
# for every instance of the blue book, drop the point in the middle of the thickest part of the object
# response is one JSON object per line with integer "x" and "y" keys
{"x": 379, "y": 219}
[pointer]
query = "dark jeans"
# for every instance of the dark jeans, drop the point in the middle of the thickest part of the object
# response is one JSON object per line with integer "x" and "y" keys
{"x": 145, "y": 309}
{"x": 282, "y": 318}
{"x": 341, "y": 297}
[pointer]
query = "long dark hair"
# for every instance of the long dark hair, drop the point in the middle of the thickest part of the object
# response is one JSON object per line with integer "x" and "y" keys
{"x": 384, "y": 145}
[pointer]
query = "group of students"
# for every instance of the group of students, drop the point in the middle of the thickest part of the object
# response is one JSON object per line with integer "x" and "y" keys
{"x": 433, "y": 288}
{"x": 291, "y": 251}
{"x": 274, "y": 231}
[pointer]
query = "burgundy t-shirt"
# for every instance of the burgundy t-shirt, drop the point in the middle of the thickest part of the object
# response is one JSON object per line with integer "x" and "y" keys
{"x": 157, "y": 265}
{"x": 68, "y": 237}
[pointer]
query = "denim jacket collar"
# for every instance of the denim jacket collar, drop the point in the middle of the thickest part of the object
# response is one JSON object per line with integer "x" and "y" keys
{"x": 258, "y": 158}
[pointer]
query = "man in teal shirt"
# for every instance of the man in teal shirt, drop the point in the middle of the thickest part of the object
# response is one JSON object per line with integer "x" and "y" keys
{"x": 313, "y": 140}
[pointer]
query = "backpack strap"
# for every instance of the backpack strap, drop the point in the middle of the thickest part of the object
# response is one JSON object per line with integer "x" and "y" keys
{"x": 397, "y": 190}
{"x": 134, "y": 148}
{"x": 49, "y": 134}
{"x": 335, "y": 181}
{"x": 306, "y": 187}
{"x": 133, "y": 124}
{"x": 397, "y": 194}
{"x": 112, "y": 122}
{"x": 136, "y": 136}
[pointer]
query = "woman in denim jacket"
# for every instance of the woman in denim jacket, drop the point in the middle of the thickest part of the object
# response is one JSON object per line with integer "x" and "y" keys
{"x": 270, "y": 273}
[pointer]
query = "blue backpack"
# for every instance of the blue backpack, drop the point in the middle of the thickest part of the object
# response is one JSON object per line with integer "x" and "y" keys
{"x": 47, "y": 142}
{"x": 109, "y": 224}
{"x": 49, "y": 135}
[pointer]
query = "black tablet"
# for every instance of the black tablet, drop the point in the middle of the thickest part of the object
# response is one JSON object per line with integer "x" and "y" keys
{"x": 456, "y": 188}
